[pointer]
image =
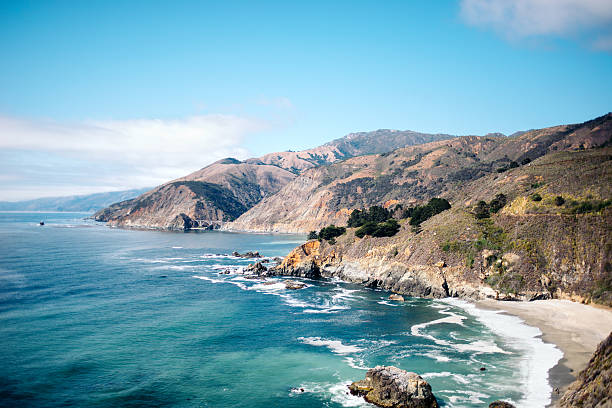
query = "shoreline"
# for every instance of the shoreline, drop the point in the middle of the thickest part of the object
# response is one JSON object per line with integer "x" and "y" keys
{"x": 574, "y": 328}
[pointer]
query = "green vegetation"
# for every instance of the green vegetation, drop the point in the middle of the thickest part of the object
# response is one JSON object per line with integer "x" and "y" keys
{"x": 559, "y": 201}
{"x": 382, "y": 229}
{"x": 589, "y": 206}
{"x": 330, "y": 232}
{"x": 422, "y": 213}
{"x": 536, "y": 197}
{"x": 375, "y": 215}
{"x": 484, "y": 210}
{"x": 313, "y": 235}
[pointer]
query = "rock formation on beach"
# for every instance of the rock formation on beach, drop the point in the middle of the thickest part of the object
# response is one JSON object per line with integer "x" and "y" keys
{"x": 593, "y": 387}
{"x": 391, "y": 387}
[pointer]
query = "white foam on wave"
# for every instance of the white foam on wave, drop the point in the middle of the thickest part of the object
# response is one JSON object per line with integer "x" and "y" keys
{"x": 213, "y": 280}
{"x": 327, "y": 310}
{"x": 336, "y": 346}
{"x": 479, "y": 346}
{"x": 539, "y": 358}
{"x": 356, "y": 363}
{"x": 177, "y": 247}
{"x": 473, "y": 397}
{"x": 337, "y": 393}
{"x": 387, "y": 303}
{"x": 458, "y": 378}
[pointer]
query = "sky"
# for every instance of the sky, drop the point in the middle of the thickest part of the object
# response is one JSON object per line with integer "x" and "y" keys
{"x": 110, "y": 95}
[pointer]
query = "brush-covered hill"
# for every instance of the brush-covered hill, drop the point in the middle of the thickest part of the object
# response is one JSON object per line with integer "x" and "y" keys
{"x": 327, "y": 194}
{"x": 226, "y": 189}
{"x": 535, "y": 246}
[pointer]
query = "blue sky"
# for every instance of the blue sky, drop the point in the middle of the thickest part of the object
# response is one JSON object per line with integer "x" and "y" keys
{"x": 108, "y": 95}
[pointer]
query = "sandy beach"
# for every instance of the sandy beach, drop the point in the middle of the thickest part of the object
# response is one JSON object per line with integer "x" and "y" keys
{"x": 576, "y": 329}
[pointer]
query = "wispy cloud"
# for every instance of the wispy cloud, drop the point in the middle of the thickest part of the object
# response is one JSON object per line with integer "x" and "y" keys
{"x": 590, "y": 19}
{"x": 113, "y": 154}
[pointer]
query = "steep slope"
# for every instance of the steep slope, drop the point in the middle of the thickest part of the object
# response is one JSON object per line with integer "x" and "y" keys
{"x": 530, "y": 249}
{"x": 219, "y": 192}
{"x": 592, "y": 387}
{"x": 328, "y": 194}
{"x": 224, "y": 190}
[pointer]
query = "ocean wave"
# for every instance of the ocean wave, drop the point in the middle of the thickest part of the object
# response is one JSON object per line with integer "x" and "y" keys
{"x": 540, "y": 356}
{"x": 387, "y": 303}
{"x": 337, "y": 393}
{"x": 478, "y": 346}
{"x": 336, "y": 346}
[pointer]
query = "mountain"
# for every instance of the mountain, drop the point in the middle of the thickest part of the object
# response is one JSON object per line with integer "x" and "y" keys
{"x": 548, "y": 237}
{"x": 226, "y": 189}
{"x": 78, "y": 203}
{"x": 219, "y": 192}
{"x": 327, "y": 194}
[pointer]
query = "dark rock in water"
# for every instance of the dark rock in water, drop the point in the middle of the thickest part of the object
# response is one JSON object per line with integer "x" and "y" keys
{"x": 391, "y": 387}
{"x": 593, "y": 386}
{"x": 163, "y": 276}
{"x": 395, "y": 296}
{"x": 256, "y": 268}
{"x": 265, "y": 261}
{"x": 483, "y": 369}
{"x": 42, "y": 223}
{"x": 294, "y": 285}
{"x": 500, "y": 404}
{"x": 248, "y": 254}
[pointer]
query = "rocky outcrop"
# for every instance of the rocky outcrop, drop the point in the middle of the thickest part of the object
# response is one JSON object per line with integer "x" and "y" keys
{"x": 304, "y": 261}
{"x": 593, "y": 387}
{"x": 256, "y": 268}
{"x": 391, "y": 387}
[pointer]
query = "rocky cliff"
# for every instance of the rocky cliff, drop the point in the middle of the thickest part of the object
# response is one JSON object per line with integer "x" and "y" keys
{"x": 529, "y": 249}
{"x": 592, "y": 388}
{"x": 327, "y": 194}
{"x": 226, "y": 189}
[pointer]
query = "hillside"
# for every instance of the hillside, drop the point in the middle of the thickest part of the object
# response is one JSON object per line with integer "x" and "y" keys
{"x": 219, "y": 192}
{"x": 77, "y": 203}
{"x": 226, "y": 189}
{"x": 529, "y": 249}
{"x": 327, "y": 194}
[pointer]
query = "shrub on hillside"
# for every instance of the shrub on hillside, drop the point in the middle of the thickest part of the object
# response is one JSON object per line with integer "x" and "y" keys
{"x": 559, "y": 201}
{"x": 481, "y": 210}
{"x": 536, "y": 197}
{"x": 330, "y": 232}
{"x": 313, "y": 235}
{"x": 497, "y": 203}
{"x": 422, "y": 213}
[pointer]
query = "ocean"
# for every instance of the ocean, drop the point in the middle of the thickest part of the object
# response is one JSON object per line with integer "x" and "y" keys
{"x": 92, "y": 316}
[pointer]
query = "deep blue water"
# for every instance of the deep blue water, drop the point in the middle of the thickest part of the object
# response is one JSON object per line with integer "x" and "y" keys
{"x": 100, "y": 317}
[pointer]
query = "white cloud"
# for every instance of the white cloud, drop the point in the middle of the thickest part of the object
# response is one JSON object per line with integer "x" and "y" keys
{"x": 528, "y": 18}
{"x": 119, "y": 153}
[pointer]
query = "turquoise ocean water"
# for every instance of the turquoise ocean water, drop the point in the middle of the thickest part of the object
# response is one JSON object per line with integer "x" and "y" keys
{"x": 97, "y": 317}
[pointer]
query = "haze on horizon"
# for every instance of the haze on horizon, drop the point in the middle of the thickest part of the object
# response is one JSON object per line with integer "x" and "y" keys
{"x": 103, "y": 96}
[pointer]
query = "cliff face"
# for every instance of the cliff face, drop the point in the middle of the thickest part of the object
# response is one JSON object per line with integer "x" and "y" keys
{"x": 592, "y": 387}
{"x": 327, "y": 194}
{"x": 226, "y": 189}
{"x": 530, "y": 249}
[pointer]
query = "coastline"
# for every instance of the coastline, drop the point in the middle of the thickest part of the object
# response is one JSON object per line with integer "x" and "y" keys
{"x": 574, "y": 328}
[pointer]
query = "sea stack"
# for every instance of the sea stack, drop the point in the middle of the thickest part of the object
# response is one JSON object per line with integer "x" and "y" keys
{"x": 392, "y": 387}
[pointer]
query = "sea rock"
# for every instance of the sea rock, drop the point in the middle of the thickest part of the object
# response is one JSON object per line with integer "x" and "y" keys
{"x": 304, "y": 261}
{"x": 500, "y": 404}
{"x": 395, "y": 296}
{"x": 391, "y": 387}
{"x": 294, "y": 285}
{"x": 592, "y": 387}
{"x": 248, "y": 254}
{"x": 257, "y": 268}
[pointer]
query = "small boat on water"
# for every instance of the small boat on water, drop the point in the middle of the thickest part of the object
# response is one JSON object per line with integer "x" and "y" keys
{"x": 42, "y": 223}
